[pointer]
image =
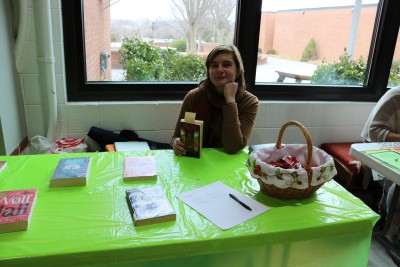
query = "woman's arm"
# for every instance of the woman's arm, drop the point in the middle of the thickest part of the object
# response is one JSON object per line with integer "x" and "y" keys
{"x": 384, "y": 122}
{"x": 392, "y": 137}
{"x": 238, "y": 123}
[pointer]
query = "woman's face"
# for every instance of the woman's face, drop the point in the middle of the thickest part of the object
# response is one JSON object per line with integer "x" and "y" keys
{"x": 222, "y": 70}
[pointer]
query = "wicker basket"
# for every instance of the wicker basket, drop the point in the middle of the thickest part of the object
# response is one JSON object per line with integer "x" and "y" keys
{"x": 291, "y": 183}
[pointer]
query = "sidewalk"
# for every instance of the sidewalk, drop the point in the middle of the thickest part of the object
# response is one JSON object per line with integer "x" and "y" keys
{"x": 267, "y": 72}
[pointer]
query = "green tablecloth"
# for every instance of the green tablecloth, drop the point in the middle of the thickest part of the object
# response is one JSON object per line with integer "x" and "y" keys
{"x": 92, "y": 225}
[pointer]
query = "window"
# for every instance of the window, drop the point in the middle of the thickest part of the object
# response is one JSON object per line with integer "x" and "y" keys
{"x": 92, "y": 75}
{"x": 155, "y": 40}
{"x": 394, "y": 77}
{"x": 293, "y": 48}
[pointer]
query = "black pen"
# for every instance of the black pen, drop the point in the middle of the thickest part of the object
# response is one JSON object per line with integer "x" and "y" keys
{"x": 240, "y": 202}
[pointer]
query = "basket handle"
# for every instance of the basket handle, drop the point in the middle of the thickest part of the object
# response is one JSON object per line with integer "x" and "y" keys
{"x": 306, "y": 135}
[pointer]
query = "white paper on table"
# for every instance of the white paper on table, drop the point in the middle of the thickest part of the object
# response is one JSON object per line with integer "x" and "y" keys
{"x": 214, "y": 203}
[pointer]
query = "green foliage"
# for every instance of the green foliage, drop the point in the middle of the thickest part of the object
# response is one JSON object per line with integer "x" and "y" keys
{"x": 271, "y": 52}
{"x": 143, "y": 61}
{"x": 394, "y": 76}
{"x": 180, "y": 45}
{"x": 310, "y": 50}
{"x": 188, "y": 68}
{"x": 259, "y": 50}
{"x": 344, "y": 72}
{"x": 350, "y": 72}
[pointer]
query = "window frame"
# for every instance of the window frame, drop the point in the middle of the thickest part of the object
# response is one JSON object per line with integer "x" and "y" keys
{"x": 383, "y": 44}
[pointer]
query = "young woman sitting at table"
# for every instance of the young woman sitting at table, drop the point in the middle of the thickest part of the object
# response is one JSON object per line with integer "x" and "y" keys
{"x": 222, "y": 102}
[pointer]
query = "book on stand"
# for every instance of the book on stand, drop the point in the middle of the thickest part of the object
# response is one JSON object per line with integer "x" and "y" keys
{"x": 191, "y": 134}
{"x": 140, "y": 168}
{"x": 149, "y": 205}
{"x": 3, "y": 165}
{"x": 71, "y": 172}
{"x": 16, "y": 207}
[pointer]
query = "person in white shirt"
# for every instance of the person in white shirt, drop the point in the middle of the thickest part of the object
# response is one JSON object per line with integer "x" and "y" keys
{"x": 383, "y": 125}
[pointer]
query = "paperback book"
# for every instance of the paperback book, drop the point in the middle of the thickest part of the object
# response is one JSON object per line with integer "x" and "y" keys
{"x": 71, "y": 172}
{"x": 16, "y": 209}
{"x": 3, "y": 165}
{"x": 191, "y": 134}
{"x": 140, "y": 168}
{"x": 149, "y": 205}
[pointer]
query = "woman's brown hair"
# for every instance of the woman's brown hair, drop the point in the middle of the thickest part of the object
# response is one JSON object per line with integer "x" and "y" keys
{"x": 238, "y": 61}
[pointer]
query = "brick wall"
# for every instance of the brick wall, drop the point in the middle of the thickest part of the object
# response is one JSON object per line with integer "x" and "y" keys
{"x": 267, "y": 31}
{"x": 207, "y": 47}
{"x": 288, "y": 32}
{"x": 116, "y": 60}
{"x": 397, "y": 50}
{"x": 97, "y": 37}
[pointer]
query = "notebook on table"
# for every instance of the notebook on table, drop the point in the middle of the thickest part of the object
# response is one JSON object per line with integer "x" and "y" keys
{"x": 131, "y": 146}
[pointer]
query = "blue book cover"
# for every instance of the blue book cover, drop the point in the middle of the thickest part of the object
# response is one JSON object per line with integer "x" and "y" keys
{"x": 70, "y": 172}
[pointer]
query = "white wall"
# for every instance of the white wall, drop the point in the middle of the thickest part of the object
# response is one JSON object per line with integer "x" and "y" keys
{"x": 13, "y": 126}
{"x": 326, "y": 121}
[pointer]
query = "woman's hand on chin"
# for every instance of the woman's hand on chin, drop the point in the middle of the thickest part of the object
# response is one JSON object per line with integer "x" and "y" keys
{"x": 230, "y": 90}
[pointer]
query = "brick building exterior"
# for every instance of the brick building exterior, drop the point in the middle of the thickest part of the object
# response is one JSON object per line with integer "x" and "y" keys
{"x": 288, "y": 32}
{"x": 97, "y": 38}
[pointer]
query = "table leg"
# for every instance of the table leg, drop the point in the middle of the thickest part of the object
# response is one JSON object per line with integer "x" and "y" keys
{"x": 380, "y": 236}
{"x": 280, "y": 78}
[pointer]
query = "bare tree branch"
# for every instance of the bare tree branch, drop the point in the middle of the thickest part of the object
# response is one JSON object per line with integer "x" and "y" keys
{"x": 189, "y": 14}
{"x": 223, "y": 9}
